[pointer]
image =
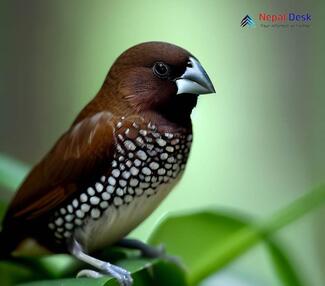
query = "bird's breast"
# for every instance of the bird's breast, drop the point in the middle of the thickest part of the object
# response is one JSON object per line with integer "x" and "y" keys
{"x": 146, "y": 165}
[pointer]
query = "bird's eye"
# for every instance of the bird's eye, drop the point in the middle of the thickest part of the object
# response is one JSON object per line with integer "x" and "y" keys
{"x": 161, "y": 70}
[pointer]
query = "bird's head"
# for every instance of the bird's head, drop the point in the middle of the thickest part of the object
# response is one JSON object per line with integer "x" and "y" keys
{"x": 158, "y": 78}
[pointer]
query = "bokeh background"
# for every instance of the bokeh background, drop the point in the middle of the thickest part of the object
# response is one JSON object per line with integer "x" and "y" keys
{"x": 259, "y": 141}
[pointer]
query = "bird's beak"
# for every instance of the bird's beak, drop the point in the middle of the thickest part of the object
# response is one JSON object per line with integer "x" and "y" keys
{"x": 194, "y": 80}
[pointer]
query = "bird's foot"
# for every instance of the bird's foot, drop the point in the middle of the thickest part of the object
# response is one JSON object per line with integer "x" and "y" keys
{"x": 122, "y": 276}
{"x": 150, "y": 251}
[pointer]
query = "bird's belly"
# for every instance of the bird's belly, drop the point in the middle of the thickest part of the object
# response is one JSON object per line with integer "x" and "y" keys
{"x": 117, "y": 222}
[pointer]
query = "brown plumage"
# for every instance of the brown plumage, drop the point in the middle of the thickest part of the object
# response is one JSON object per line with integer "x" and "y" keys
{"x": 118, "y": 160}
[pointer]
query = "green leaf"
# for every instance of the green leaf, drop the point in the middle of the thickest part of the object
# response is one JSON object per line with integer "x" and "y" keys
{"x": 206, "y": 234}
{"x": 225, "y": 247}
{"x": 144, "y": 272}
{"x": 71, "y": 282}
{"x": 195, "y": 232}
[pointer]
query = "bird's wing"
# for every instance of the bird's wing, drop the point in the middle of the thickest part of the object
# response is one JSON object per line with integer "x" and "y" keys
{"x": 79, "y": 155}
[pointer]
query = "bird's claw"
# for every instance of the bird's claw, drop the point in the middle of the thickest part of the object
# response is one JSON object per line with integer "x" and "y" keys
{"x": 123, "y": 276}
{"x": 159, "y": 251}
{"x": 88, "y": 273}
{"x": 153, "y": 251}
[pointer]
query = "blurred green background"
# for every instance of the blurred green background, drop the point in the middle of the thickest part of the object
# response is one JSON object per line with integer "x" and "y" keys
{"x": 258, "y": 143}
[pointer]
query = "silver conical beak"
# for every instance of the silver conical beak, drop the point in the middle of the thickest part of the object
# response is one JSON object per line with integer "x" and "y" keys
{"x": 194, "y": 80}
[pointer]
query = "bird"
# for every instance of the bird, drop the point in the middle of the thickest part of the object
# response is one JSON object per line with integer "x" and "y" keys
{"x": 121, "y": 156}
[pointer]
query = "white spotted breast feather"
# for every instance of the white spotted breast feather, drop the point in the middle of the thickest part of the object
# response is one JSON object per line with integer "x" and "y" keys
{"x": 145, "y": 166}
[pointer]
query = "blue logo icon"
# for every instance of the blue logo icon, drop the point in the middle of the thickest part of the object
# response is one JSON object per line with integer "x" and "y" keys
{"x": 247, "y": 21}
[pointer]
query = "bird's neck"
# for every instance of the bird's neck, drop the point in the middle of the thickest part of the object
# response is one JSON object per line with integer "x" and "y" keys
{"x": 178, "y": 112}
{"x": 174, "y": 116}
{"x": 165, "y": 125}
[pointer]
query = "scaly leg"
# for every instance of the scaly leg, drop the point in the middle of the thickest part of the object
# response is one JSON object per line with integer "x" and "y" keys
{"x": 123, "y": 276}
